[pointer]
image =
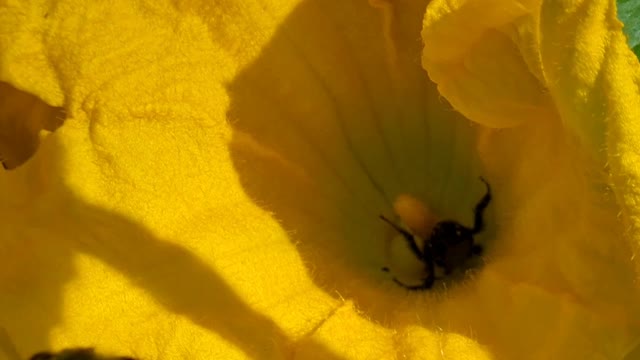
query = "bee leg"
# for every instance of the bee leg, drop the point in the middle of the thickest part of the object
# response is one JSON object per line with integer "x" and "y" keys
{"x": 42, "y": 356}
{"x": 428, "y": 281}
{"x": 426, "y": 285}
{"x": 478, "y": 223}
{"x": 411, "y": 241}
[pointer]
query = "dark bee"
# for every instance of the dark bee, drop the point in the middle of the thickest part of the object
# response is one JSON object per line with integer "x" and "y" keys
{"x": 76, "y": 354}
{"x": 9, "y": 351}
{"x": 448, "y": 246}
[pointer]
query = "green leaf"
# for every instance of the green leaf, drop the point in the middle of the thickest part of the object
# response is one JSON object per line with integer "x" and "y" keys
{"x": 629, "y": 14}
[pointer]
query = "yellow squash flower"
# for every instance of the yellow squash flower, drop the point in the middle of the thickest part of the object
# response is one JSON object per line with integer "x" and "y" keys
{"x": 214, "y": 190}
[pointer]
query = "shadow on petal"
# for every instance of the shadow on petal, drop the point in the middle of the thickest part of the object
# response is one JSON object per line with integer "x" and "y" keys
{"x": 336, "y": 118}
{"x": 329, "y": 127}
{"x": 22, "y": 117}
{"x": 39, "y": 257}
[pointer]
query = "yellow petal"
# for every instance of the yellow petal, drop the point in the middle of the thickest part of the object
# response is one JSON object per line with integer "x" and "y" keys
{"x": 24, "y": 57}
{"x": 473, "y": 51}
{"x": 129, "y": 229}
{"x": 214, "y": 191}
{"x": 561, "y": 75}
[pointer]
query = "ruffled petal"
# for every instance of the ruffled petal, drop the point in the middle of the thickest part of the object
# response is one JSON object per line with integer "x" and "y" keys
{"x": 215, "y": 189}
{"x": 567, "y": 202}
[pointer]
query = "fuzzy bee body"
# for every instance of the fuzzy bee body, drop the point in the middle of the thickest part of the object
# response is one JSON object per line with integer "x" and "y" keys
{"x": 448, "y": 244}
{"x": 76, "y": 354}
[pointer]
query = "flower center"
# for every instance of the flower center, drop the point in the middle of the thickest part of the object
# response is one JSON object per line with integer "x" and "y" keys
{"x": 329, "y": 129}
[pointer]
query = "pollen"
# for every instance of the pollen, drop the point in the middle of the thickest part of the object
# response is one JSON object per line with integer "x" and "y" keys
{"x": 415, "y": 215}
